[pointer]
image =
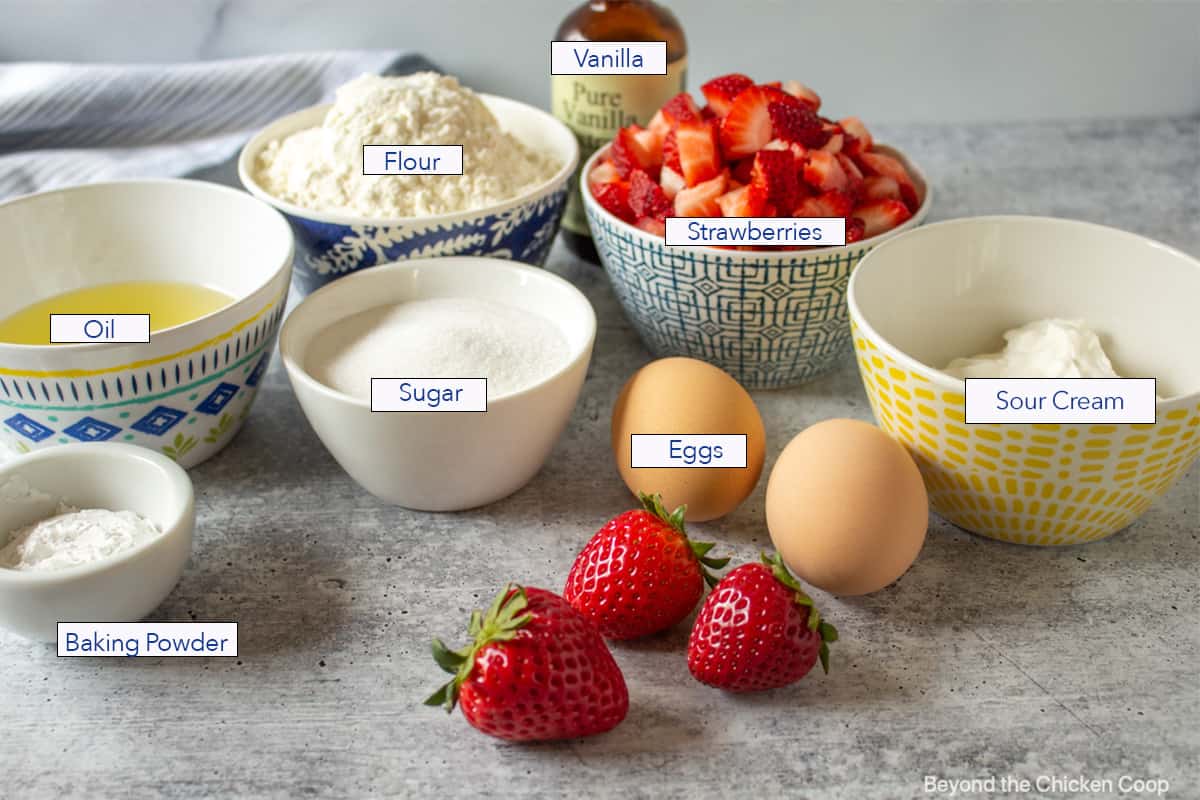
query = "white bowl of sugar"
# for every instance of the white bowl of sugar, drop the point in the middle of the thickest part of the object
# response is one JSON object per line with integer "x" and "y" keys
{"x": 65, "y": 556}
{"x": 443, "y": 321}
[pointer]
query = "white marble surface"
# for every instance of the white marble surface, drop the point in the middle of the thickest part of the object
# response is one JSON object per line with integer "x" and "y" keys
{"x": 985, "y": 659}
{"x": 909, "y": 61}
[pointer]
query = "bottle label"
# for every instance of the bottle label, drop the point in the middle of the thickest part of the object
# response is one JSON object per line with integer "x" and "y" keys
{"x": 595, "y": 107}
{"x": 608, "y": 58}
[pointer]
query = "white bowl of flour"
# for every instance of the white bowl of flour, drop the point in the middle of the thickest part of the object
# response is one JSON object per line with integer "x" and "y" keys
{"x": 65, "y": 565}
{"x": 525, "y": 330}
{"x": 507, "y": 203}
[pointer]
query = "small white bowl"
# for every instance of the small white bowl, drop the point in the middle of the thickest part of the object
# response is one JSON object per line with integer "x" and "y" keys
{"x": 443, "y": 461}
{"x": 123, "y": 587}
{"x": 331, "y": 244}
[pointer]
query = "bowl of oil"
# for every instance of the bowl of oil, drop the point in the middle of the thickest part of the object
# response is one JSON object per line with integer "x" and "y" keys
{"x": 209, "y": 265}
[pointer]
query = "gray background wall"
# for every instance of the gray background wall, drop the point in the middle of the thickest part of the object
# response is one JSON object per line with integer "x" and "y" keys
{"x": 910, "y": 60}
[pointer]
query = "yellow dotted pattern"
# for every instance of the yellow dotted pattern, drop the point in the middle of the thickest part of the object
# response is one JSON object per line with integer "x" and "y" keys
{"x": 1028, "y": 483}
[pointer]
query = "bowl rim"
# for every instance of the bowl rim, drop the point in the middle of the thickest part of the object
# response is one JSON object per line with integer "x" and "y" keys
{"x": 175, "y": 477}
{"x": 304, "y": 118}
{"x": 277, "y": 218}
{"x": 293, "y": 360}
{"x": 939, "y": 376}
{"x": 781, "y": 256}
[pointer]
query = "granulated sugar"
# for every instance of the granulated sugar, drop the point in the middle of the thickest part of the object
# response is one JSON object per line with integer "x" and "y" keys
{"x": 438, "y": 338}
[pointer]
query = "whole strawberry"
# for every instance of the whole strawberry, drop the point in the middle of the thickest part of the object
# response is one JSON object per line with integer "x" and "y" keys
{"x": 536, "y": 670}
{"x": 640, "y": 574}
{"x": 758, "y": 630}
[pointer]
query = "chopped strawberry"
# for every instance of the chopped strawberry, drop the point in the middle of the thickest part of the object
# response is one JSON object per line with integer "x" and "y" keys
{"x": 681, "y": 108}
{"x": 614, "y": 198}
{"x": 652, "y": 144}
{"x": 699, "y": 153}
{"x": 855, "y": 230}
{"x": 745, "y": 201}
{"x": 880, "y": 164}
{"x": 654, "y": 227}
{"x": 659, "y": 124}
{"x": 701, "y": 199}
{"x": 742, "y": 169}
{"x": 671, "y": 152}
{"x": 861, "y": 140}
{"x": 795, "y": 122}
{"x": 707, "y": 114}
{"x": 803, "y": 94}
{"x": 747, "y": 126}
{"x": 646, "y": 197}
{"x": 879, "y": 216}
{"x": 604, "y": 172}
{"x": 854, "y": 176}
{"x": 775, "y": 172}
{"x": 835, "y": 143}
{"x": 628, "y": 154}
{"x": 721, "y": 92}
{"x": 671, "y": 182}
{"x": 828, "y": 204}
{"x": 823, "y": 171}
{"x": 880, "y": 187}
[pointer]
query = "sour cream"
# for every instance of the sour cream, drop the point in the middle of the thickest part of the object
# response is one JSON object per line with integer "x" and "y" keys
{"x": 1048, "y": 348}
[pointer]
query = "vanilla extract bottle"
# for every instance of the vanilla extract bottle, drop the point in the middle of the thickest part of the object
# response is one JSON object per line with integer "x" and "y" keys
{"x": 595, "y": 107}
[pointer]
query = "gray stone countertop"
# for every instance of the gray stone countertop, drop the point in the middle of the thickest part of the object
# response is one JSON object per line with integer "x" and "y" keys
{"x": 985, "y": 659}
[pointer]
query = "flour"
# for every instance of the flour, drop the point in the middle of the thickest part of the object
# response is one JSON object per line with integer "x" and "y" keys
{"x": 438, "y": 338}
{"x": 72, "y": 537}
{"x": 322, "y": 168}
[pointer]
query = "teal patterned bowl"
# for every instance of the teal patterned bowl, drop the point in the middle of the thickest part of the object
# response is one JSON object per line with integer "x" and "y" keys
{"x": 186, "y": 392}
{"x": 769, "y": 318}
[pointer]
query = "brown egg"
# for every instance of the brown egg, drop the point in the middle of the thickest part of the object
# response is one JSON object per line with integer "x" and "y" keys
{"x": 846, "y": 507}
{"x": 683, "y": 395}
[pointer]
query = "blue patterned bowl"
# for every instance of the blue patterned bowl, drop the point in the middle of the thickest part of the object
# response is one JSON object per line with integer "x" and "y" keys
{"x": 330, "y": 245}
{"x": 186, "y": 392}
{"x": 770, "y": 319}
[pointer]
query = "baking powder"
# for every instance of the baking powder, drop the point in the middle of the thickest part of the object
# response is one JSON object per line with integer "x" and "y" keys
{"x": 73, "y": 537}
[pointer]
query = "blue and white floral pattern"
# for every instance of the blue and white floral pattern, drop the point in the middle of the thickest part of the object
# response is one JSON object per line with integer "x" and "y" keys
{"x": 327, "y": 251}
{"x": 767, "y": 322}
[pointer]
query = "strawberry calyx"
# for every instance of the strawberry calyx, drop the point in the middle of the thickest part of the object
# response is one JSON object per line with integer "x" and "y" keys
{"x": 499, "y": 623}
{"x": 825, "y": 630}
{"x": 654, "y": 504}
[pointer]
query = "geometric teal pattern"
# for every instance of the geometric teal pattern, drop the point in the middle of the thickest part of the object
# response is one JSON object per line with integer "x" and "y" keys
{"x": 768, "y": 322}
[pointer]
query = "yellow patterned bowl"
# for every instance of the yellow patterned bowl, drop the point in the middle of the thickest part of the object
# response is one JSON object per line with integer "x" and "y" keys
{"x": 186, "y": 392}
{"x": 942, "y": 291}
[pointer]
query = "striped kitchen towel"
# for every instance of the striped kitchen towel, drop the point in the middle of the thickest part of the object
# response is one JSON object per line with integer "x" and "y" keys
{"x": 66, "y": 124}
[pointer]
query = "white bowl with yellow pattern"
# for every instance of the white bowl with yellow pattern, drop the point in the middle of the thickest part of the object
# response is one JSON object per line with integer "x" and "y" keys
{"x": 951, "y": 289}
{"x": 186, "y": 392}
